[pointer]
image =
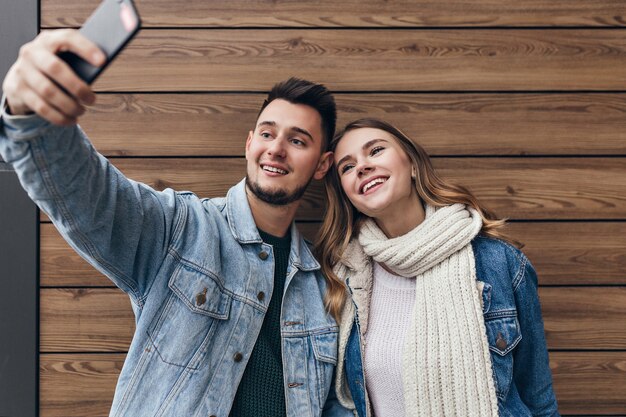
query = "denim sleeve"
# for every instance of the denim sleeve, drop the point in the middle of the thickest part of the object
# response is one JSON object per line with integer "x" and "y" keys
{"x": 119, "y": 226}
{"x": 332, "y": 407}
{"x": 532, "y": 374}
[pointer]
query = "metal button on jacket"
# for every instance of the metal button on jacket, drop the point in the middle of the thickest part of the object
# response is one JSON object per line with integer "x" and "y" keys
{"x": 500, "y": 342}
{"x": 260, "y": 296}
{"x": 201, "y": 297}
{"x": 237, "y": 357}
{"x": 263, "y": 255}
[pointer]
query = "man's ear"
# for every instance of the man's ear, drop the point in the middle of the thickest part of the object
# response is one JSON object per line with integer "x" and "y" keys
{"x": 324, "y": 164}
{"x": 248, "y": 141}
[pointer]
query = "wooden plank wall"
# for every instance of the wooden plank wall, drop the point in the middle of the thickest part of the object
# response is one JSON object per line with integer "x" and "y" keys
{"x": 523, "y": 101}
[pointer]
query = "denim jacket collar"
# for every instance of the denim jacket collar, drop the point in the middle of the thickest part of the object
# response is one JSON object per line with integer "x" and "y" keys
{"x": 244, "y": 229}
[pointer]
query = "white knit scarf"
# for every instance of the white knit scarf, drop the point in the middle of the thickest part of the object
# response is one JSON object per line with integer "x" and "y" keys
{"x": 446, "y": 360}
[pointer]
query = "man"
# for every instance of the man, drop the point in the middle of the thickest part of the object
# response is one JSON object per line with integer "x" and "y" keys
{"x": 206, "y": 278}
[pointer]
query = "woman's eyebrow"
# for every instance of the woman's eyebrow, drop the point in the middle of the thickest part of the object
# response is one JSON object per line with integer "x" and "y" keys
{"x": 366, "y": 145}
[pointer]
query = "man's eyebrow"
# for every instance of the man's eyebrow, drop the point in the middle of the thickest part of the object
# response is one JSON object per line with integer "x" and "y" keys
{"x": 303, "y": 131}
{"x": 294, "y": 128}
{"x": 366, "y": 145}
{"x": 266, "y": 123}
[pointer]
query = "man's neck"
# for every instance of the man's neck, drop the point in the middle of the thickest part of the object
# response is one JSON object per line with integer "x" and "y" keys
{"x": 272, "y": 219}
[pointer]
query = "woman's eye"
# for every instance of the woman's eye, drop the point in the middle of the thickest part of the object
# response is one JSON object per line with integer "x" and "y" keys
{"x": 345, "y": 168}
{"x": 376, "y": 150}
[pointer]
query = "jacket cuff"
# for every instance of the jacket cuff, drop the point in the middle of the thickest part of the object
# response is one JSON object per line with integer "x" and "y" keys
{"x": 21, "y": 128}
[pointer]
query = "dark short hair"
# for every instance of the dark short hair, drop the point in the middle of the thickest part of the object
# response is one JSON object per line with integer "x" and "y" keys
{"x": 298, "y": 91}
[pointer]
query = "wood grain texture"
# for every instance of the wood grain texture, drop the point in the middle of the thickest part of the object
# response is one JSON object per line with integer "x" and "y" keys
{"x": 78, "y": 385}
{"x": 371, "y": 13}
{"x": 60, "y": 265}
{"x": 376, "y": 60}
{"x": 543, "y": 188}
{"x": 85, "y": 320}
{"x": 563, "y": 253}
{"x": 590, "y": 382}
{"x": 82, "y": 385}
{"x": 101, "y": 319}
{"x": 584, "y": 318}
{"x": 444, "y": 124}
{"x": 516, "y": 188}
{"x": 567, "y": 253}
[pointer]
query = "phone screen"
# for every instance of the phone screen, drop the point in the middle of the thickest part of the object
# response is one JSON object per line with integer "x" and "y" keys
{"x": 111, "y": 26}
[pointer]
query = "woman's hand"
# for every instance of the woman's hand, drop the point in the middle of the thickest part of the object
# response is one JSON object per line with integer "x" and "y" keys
{"x": 41, "y": 82}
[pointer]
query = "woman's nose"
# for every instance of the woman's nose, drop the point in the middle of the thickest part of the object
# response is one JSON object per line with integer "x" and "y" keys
{"x": 364, "y": 168}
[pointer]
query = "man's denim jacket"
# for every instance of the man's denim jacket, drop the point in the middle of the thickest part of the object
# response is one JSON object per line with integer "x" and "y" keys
{"x": 512, "y": 314}
{"x": 194, "y": 270}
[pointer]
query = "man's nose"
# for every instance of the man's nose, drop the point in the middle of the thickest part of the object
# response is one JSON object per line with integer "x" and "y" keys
{"x": 277, "y": 148}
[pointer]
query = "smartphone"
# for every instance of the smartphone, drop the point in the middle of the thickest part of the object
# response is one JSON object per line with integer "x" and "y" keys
{"x": 111, "y": 26}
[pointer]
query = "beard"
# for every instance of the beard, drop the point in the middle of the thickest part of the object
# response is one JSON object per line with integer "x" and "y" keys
{"x": 276, "y": 197}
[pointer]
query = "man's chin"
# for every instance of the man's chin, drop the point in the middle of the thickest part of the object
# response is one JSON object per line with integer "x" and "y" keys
{"x": 275, "y": 196}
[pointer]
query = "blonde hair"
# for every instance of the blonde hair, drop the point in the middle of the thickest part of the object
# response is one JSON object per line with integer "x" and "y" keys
{"x": 341, "y": 221}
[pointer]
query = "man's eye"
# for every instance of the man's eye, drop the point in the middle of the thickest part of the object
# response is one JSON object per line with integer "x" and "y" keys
{"x": 376, "y": 150}
{"x": 297, "y": 142}
{"x": 266, "y": 135}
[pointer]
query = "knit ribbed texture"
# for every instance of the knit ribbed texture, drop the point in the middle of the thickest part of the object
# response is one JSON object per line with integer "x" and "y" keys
{"x": 447, "y": 365}
{"x": 261, "y": 391}
{"x": 391, "y": 306}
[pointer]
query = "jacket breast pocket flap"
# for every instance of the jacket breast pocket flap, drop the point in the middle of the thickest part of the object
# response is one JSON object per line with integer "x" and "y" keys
{"x": 325, "y": 347}
{"x": 182, "y": 331}
{"x": 323, "y": 362}
{"x": 201, "y": 292}
{"x": 503, "y": 334}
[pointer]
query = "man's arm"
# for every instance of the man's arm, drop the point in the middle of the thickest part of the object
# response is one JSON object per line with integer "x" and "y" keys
{"x": 120, "y": 226}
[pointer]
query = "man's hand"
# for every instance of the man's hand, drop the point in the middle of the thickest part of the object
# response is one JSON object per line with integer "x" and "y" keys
{"x": 32, "y": 83}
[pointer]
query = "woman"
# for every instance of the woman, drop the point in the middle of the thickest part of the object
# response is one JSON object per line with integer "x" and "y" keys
{"x": 443, "y": 317}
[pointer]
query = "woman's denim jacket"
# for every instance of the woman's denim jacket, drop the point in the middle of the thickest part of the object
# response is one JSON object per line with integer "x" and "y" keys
{"x": 194, "y": 270}
{"x": 512, "y": 312}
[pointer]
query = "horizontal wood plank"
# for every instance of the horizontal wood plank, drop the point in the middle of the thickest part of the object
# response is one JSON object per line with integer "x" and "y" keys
{"x": 563, "y": 253}
{"x": 444, "y": 124}
{"x": 78, "y": 385}
{"x": 85, "y": 320}
{"x": 101, "y": 319}
{"x": 584, "y": 317}
{"x": 567, "y": 253}
{"x": 590, "y": 382}
{"x": 543, "y": 188}
{"x": 371, "y": 13}
{"x": 516, "y": 188}
{"x": 373, "y": 60}
{"x": 82, "y": 385}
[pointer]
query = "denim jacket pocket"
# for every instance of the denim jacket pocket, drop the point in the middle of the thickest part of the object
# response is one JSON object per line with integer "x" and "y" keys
{"x": 503, "y": 335}
{"x": 196, "y": 304}
{"x": 324, "y": 347}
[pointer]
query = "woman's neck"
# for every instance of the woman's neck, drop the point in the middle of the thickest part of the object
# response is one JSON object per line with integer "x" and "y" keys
{"x": 399, "y": 222}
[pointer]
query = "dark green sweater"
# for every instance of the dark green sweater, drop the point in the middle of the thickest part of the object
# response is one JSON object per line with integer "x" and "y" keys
{"x": 261, "y": 391}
